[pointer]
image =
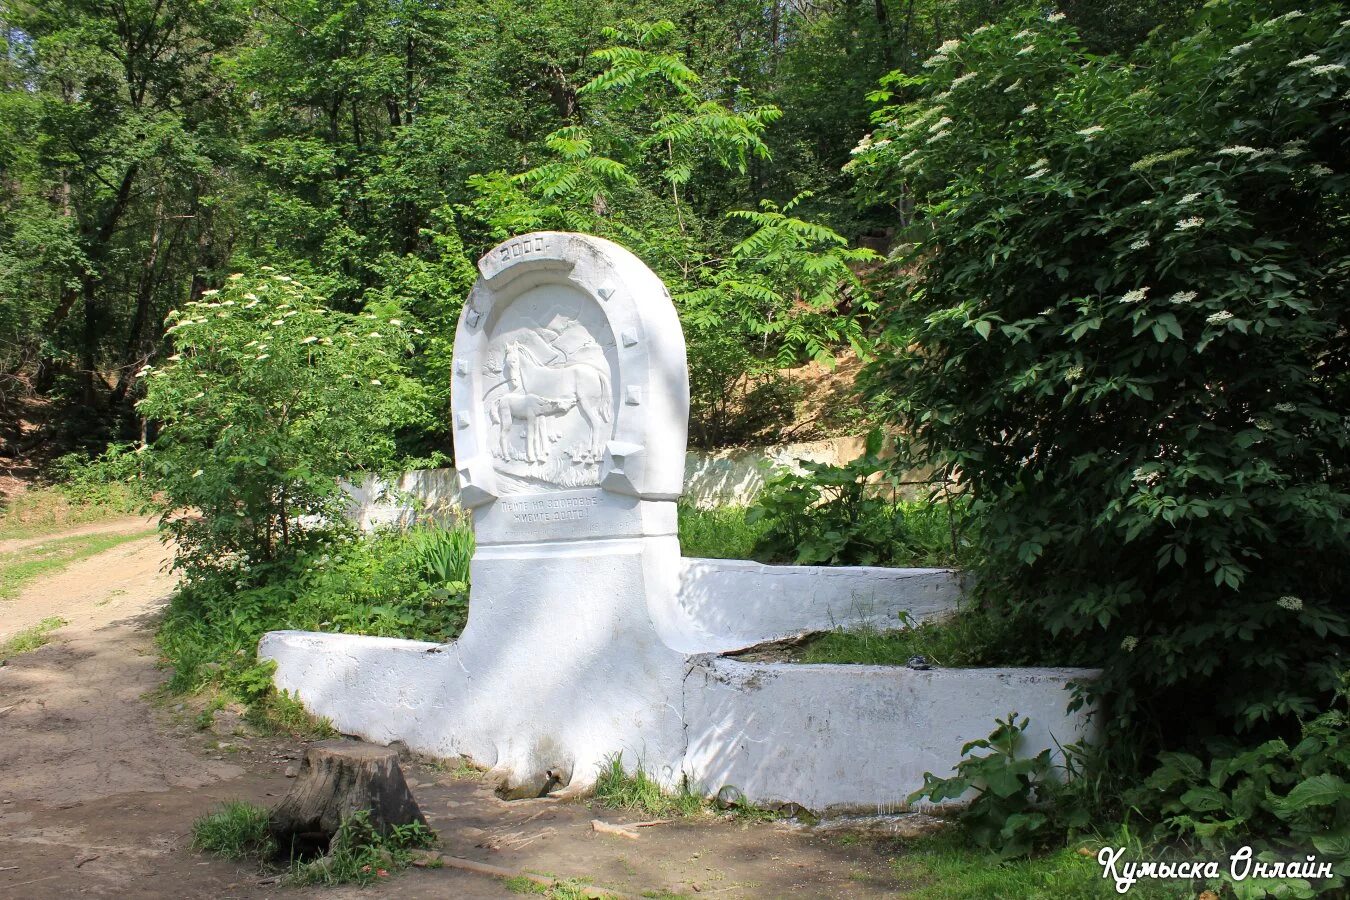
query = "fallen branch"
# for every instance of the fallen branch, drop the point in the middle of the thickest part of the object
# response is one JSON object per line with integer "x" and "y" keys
{"x": 607, "y": 828}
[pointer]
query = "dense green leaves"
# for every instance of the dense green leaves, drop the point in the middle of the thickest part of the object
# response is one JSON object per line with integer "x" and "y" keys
{"x": 1122, "y": 326}
{"x": 268, "y": 400}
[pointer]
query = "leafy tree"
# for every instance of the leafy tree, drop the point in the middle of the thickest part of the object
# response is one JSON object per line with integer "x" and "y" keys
{"x": 268, "y": 400}
{"x": 1121, "y": 325}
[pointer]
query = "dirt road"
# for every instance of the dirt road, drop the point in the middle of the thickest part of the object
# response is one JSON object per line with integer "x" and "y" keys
{"x": 99, "y": 784}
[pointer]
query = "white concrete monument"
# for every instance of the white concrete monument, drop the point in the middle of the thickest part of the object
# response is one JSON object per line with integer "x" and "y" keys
{"x": 588, "y": 635}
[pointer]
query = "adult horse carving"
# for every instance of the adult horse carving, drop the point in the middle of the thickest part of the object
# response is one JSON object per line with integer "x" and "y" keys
{"x": 583, "y": 385}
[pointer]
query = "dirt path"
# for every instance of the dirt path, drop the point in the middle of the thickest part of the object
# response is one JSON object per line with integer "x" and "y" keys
{"x": 99, "y": 786}
{"x": 129, "y": 580}
{"x": 124, "y": 525}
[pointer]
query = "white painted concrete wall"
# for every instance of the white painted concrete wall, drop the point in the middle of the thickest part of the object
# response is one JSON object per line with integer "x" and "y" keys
{"x": 729, "y": 604}
{"x": 711, "y": 477}
{"x": 856, "y": 738}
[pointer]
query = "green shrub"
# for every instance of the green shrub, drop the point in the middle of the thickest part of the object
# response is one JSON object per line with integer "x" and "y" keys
{"x": 1242, "y": 794}
{"x": 1017, "y": 804}
{"x": 268, "y": 400}
{"x": 851, "y": 515}
{"x": 237, "y": 830}
{"x": 397, "y": 584}
{"x": 1122, "y": 328}
{"x": 113, "y": 479}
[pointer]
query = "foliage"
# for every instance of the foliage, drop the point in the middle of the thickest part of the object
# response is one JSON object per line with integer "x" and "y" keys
{"x": 1120, "y": 326}
{"x": 237, "y": 830}
{"x": 1015, "y": 806}
{"x": 30, "y": 638}
{"x": 357, "y": 853}
{"x": 360, "y": 854}
{"x": 411, "y": 585}
{"x": 851, "y": 514}
{"x": 945, "y": 867}
{"x": 1279, "y": 798}
{"x": 718, "y": 532}
{"x": 113, "y": 479}
{"x": 268, "y": 400}
{"x": 618, "y": 788}
{"x": 974, "y": 636}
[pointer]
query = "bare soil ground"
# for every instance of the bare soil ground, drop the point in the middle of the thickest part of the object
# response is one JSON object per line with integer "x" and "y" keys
{"x": 100, "y": 783}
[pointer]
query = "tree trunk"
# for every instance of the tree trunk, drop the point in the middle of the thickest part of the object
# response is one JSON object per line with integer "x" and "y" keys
{"x": 337, "y": 780}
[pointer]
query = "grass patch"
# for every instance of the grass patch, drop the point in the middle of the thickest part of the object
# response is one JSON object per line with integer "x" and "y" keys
{"x": 43, "y": 510}
{"x": 943, "y": 868}
{"x": 237, "y": 830}
{"x": 30, "y": 638}
{"x": 618, "y": 789}
{"x": 562, "y": 889}
{"x": 22, "y": 566}
{"x": 718, "y": 533}
{"x": 358, "y": 854}
{"x": 972, "y": 637}
{"x": 278, "y": 712}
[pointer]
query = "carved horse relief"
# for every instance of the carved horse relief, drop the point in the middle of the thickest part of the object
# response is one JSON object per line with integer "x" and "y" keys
{"x": 550, "y": 398}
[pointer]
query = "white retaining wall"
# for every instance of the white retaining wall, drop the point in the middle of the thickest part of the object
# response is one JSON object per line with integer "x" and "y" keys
{"x": 711, "y": 478}
{"x": 857, "y": 738}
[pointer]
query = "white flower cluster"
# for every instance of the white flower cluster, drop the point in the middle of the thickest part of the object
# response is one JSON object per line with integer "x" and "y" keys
{"x": 1183, "y": 296}
{"x": 1129, "y": 644}
{"x": 1135, "y": 295}
{"x": 1327, "y": 69}
{"x": 1012, "y": 87}
{"x": 1285, "y": 407}
{"x": 1305, "y": 61}
{"x": 1090, "y": 131}
{"x": 957, "y": 82}
{"x": 1055, "y": 17}
{"x": 1029, "y": 109}
{"x": 1290, "y": 602}
{"x": 1191, "y": 198}
{"x": 1219, "y": 317}
{"x": 1293, "y": 148}
{"x": 1242, "y": 150}
{"x": 1188, "y": 224}
{"x": 1140, "y": 244}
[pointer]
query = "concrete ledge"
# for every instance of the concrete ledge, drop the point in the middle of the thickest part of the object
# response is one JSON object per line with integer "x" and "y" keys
{"x": 733, "y": 604}
{"x": 851, "y": 738}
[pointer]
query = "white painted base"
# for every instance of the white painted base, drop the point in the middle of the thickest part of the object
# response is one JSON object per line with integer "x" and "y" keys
{"x": 565, "y": 662}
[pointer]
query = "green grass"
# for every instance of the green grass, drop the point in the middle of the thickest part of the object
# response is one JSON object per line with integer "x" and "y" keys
{"x": 30, "y": 638}
{"x": 358, "y": 854}
{"x": 943, "y": 868}
{"x": 717, "y": 533}
{"x": 568, "y": 889}
{"x": 43, "y": 510}
{"x": 279, "y": 713}
{"x": 972, "y": 637}
{"x": 22, "y": 566}
{"x": 237, "y": 830}
{"x": 618, "y": 789}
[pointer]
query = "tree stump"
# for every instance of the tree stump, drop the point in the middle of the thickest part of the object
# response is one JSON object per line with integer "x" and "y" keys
{"x": 337, "y": 780}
